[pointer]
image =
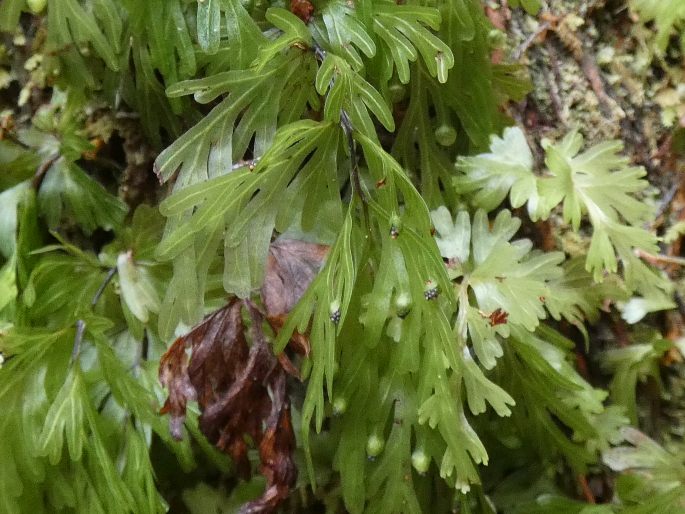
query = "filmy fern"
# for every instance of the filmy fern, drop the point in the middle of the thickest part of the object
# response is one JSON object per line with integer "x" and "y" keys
{"x": 598, "y": 183}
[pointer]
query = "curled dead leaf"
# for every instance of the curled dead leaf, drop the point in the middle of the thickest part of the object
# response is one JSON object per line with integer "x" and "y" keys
{"x": 290, "y": 268}
{"x": 241, "y": 390}
{"x": 173, "y": 374}
{"x": 227, "y": 365}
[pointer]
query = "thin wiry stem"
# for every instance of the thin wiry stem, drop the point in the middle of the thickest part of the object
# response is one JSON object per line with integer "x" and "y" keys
{"x": 42, "y": 170}
{"x": 354, "y": 166}
{"x": 78, "y": 338}
{"x": 110, "y": 275}
{"x": 348, "y": 129}
{"x": 657, "y": 259}
{"x": 80, "y": 323}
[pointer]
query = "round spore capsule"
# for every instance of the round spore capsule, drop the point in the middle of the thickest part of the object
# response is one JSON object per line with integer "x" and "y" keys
{"x": 397, "y": 92}
{"x": 374, "y": 446}
{"x": 36, "y": 6}
{"x": 402, "y": 304}
{"x": 420, "y": 461}
{"x": 445, "y": 135}
{"x": 339, "y": 406}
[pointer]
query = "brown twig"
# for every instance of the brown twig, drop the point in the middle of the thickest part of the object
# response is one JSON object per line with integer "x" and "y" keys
{"x": 42, "y": 170}
{"x": 585, "y": 488}
{"x": 567, "y": 35}
{"x": 658, "y": 259}
{"x": 14, "y": 139}
{"x": 520, "y": 50}
{"x": 593, "y": 75}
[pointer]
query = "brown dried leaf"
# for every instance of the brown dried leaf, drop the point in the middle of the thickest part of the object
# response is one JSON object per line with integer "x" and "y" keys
{"x": 173, "y": 374}
{"x": 298, "y": 342}
{"x": 278, "y": 441}
{"x": 218, "y": 350}
{"x": 290, "y": 268}
{"x": 239, "y": 384}
{"x": 288, "y": 366}
{"x": 241, "y": 391}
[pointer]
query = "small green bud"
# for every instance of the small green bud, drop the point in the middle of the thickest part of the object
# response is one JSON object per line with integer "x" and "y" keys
{"x": 420, "y": 461}
{"x": 402, "y": 304}
{"x": 29, "y": 294}
{"x": 339, "y": 406}
{"x": 397, "y": 92}
{"x": 36, "y": 6}
{"x": 374, "y": 446}
{"x": 445, "y": 135}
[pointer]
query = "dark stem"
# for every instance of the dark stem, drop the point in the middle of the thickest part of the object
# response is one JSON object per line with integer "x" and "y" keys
{"x": 16, "y": 141}
{"x": 145, "y": 347}
{"x": 665, "y": 202}
{"x": 42, "y": 170}
{"x": 354, "y": 166}
{"x": 110, "y": 275}
{"x": 81, "y": 324}
{"x": 78, "y": 338}
{"x": 348, "y": 129}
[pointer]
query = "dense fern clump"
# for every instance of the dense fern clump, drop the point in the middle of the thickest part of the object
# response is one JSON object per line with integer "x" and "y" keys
{"x": 342, "y": 199}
